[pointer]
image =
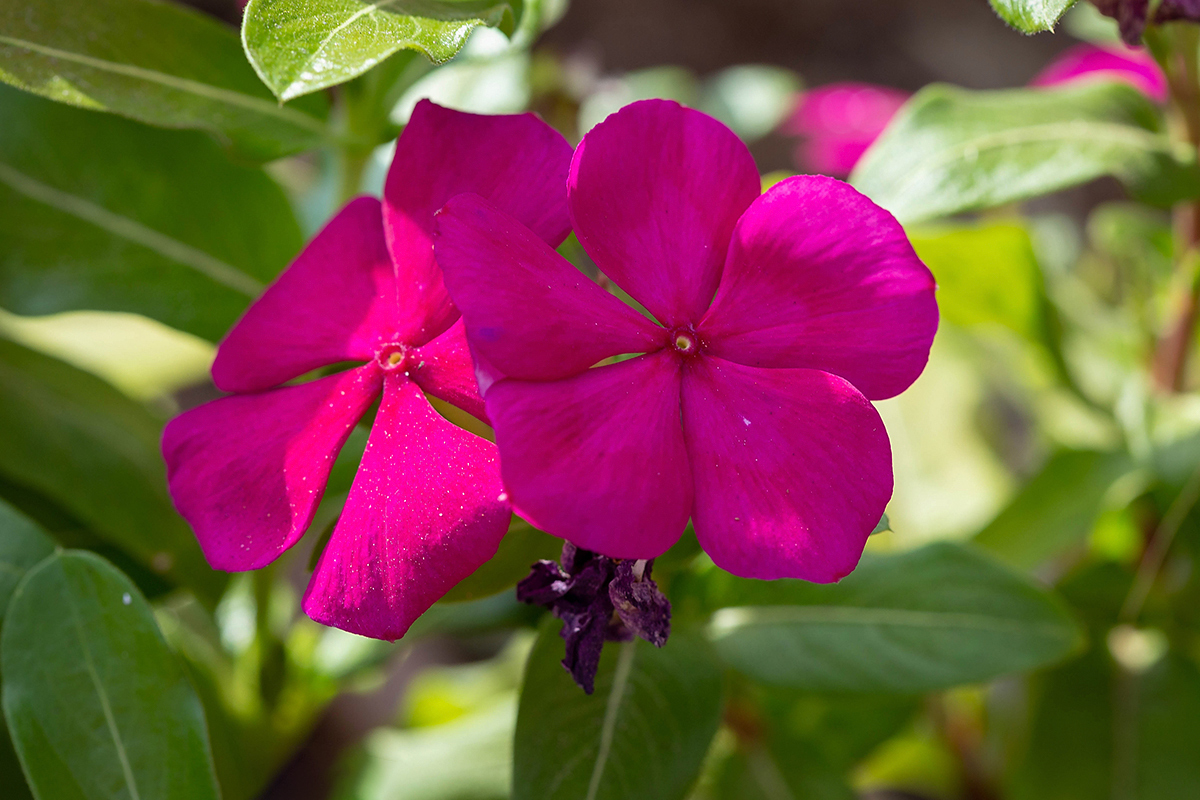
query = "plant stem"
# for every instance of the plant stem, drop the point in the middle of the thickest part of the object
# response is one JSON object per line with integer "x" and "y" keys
{"x": 1160, "y": 544}
{"x": 1179, "y": 62}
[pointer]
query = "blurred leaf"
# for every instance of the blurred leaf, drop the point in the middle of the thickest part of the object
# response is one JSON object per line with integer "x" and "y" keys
{"x": 489, "y": 76}
{"x": 98, "y": 706}
{"x": 931, "y": 618}
{"x": 644, "y": 732}
{"x": 77, "y": 440}
{"x": 22, "y": 544}
{"x": 103, "y": 213}
{"x": 1083, "y": 745}
{"x": 1031, "y": 16}
{"x": 519, "y": 549}
{"x": 951, "y": 150}
{"x": 762, "y": 772}
{"x": 12, "y": 779}
{"x": 467, "y": 759}
{"x": 986, "y": 274}
{"x": 666, "y": 83}
{"x": 1055, "y": 509}
{"x": 883, "y": 525}
{"x": 300, "y": 46}
{"x": 752, "y": 99}
{"x": 152, "y": 61}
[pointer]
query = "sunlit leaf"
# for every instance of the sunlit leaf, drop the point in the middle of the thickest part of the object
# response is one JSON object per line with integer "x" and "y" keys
{"x": 951, "y": 150}
{"x": 935, "y": 617}
{"x": 153, "y": 61}
{"x": 104, "y": 213}
{"x": 97, "y": 705}
{"x": 643, "y": 733}
{"x": 300, "y": 46}
{"x": 1031, "y": 16}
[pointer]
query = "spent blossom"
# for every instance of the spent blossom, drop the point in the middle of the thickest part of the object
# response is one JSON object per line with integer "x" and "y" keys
{"x": 426, "y": 507}
{"x": 776, "y": 319}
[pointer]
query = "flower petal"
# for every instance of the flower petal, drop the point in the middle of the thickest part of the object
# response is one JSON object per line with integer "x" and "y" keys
{"x": 1128, "y": 65}
{"x": 425, "y": 511}
{"x": 598, "y": 458}
{"x": 336, "y": 302}
{"x": 443, "y": 368}
{"x": 248, "y": 471}
{"x": 529, "y": 313}
{"x": 517, "y": 162}
{"x": 792, "y": 466}
{"x": 819, "y": 277}
{"x": 655, "y": 191}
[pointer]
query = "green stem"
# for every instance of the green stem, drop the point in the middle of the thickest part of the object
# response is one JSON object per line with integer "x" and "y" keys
{"x": 1160, "y": 544}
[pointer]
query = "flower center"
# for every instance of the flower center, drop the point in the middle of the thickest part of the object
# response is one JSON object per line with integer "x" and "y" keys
{"x": 684, "y": 341}
{"x": 392, "y": 357}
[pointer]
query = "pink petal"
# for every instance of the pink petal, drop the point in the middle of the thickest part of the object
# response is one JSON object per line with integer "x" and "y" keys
{"x": 529, "y": 313}
{"x": 336, "y": 302}
{"x": 1125, "y": 64}
{"x": 839, "y": 122}
{"x": 655, "y": 191}
{"x": 517, "y": 162}
{"x": 443, "y": 368}
{"x": 599, "y": 458}
{"x": 820, "y": 277}
{"x": 793, "y": 469}
{"x": 425, "y": 511}
{"x": 248, "y": 471}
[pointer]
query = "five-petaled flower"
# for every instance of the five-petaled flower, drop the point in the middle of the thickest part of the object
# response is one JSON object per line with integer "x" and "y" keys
{"x": 426, "y": 507}
{"x": 777, "y": 318}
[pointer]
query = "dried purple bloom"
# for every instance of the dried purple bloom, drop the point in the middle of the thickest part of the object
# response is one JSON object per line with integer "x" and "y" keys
{"x": 598, "y": 599}
{"x": 1131, "y": 15}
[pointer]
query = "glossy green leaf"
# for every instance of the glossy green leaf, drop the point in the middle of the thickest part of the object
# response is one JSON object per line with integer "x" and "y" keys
{"x": 80, "y": 442}
{"x": 97, "y": 705}
{"x": 519, "y": 549}
{"x": 951, "y": 150}
{"x": 931, "y": 618}
{"x": 104, "y": 213}
{"x": 153, "y": 61}
{"x": 643, "y": 733}
{"x": 22, "y": 544}
{"x": 1031, "y": 16}
{"x": 986, "y": 275}
{"x": 300, "y": 46}
{"x": 1055, "y": 509}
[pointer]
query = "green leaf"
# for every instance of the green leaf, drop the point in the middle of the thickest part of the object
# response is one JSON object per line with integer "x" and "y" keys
{"x": 931, "y": 618}
{"x": 80, "y": 442}
{"x": 986, "y": 275}
{"x": 300, "y": 46}
{"x": 151, "y": 61}
{"x": 951, "y": 150}
{"x": 1031, "y": 16}
{"x": 104, "y": 213}
{"x": 22, "y": 544}
{"x": 519, "y": 549}
{"x": 1056, "y": 509}
{"x": 644, "y": 732}
{"x": 97, "y": 705}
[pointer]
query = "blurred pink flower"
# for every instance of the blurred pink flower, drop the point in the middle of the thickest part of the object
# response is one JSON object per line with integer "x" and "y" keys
{"x": 839, "y": 122}
{"x": 1117, "y": 63}
{"x": 778, "y": 318}
{"x": 426, "y": 507}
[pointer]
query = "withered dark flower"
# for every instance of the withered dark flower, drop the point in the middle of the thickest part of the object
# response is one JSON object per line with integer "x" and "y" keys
{"x": 1132, "y": 15}
{"x": 598, "y": 599}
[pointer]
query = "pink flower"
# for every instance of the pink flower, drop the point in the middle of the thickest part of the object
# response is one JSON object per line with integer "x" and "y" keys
{"x": 426, "y": 507}
{"x": 1125, "y": 64}
{"x": 778, "y": 318}
{"x": 839, "y": 122}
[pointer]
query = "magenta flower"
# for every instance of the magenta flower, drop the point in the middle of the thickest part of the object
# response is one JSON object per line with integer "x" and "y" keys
{"x": 839, "y": 122}
{"x": 778, "y": 318}
{"x": 1091, "y": 62}
{"x": 426, "y": 507}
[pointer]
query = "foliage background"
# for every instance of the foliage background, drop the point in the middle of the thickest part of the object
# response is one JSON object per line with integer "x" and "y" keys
{"x": 1037, "y": 431}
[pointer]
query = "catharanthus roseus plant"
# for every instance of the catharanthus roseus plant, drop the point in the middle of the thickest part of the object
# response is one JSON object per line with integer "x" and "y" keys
{"x": 776, "y": 318}
{"x": 426, "y": 508}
